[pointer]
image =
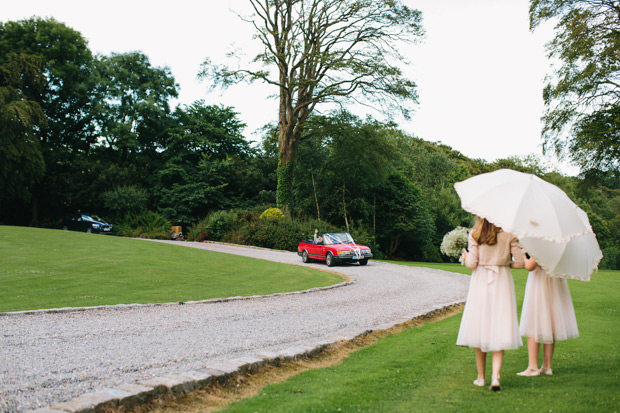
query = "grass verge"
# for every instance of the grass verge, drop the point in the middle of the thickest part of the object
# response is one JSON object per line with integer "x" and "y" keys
{"x": 43, "y": 268}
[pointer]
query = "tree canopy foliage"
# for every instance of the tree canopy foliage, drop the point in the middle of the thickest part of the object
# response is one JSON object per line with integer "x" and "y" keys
{"x": 126, "y": 155}
{"x": 132, "y": 102}
{"x": 582, "y": 97}
{"x": 21, "y": 161}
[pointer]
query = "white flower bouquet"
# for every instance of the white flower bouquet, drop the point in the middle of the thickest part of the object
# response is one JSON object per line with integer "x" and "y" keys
{"x": 454, "y": 242}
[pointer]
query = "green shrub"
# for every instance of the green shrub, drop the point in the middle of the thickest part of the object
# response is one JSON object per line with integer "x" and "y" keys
{"x": 214, "y": 226}
{"x": 282, "y": 235}
{"x": 431, "y": 253}
{"x": 125, "y": 199}
{"x": 197, "y": 232}
{"x": 248, "y": 215}
{"x": 611, "y": 259}
{"x": 146, "y": 224}
{"x": 272, "y": 214}
{"x": 221, "y": 222}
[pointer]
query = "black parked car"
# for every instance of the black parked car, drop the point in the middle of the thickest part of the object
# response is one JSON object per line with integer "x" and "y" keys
{"x": 86, "y": 223}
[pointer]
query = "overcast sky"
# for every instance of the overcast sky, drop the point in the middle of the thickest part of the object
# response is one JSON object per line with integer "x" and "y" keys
{"x": 479, "y": 70}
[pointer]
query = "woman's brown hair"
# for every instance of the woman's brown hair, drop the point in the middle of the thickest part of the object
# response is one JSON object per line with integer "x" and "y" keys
{"x": 484, "y": 232}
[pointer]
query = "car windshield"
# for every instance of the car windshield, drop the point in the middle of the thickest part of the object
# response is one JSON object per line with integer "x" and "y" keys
{"x": 91, "y": 218}
{"x": 337, "y": 238}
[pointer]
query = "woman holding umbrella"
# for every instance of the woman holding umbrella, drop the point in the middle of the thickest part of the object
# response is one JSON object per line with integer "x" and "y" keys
{"x": 489, "y": 320}
{"x": 549, "y": 225}
{"x": 546, "y": 317}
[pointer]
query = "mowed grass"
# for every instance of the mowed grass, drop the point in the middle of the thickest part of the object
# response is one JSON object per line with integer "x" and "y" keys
{"x": 43, "y": 268}
{"x": 421, "y": 369}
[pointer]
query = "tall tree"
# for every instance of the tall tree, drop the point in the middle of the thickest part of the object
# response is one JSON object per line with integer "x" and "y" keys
{"x": 582, "y": 97}
{"x": 208, "y": 163}
{"x": 322, "y": 51}
{"x": 132, "y": 117}
{"x": 21, "y": 161}
{"x": 65, "y": 98}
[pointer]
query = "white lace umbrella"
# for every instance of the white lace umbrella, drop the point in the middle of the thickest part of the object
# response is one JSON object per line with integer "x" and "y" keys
{"x": 577, "y": 258}
{"x": 557, "y": 232}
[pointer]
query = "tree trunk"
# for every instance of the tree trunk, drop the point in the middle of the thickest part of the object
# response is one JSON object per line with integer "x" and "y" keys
{"x": 344, "y": 207}
{"x": 374, "y": 216}
{"x": 288, "y": 150}
{"x": 316, "y": 199}
{"x": 291, "y": 124}
{"x": 394, "y": 244}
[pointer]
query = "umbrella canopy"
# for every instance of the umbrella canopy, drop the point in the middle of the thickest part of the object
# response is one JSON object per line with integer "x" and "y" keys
{"x": 522, "y": 204}
{"x": 554, "y": 230}
{"x": 576, "y": 258}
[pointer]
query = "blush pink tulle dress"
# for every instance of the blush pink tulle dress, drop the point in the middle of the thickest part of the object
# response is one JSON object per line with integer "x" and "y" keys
{"x": 547, "y": 314}
{"x": 490, "y": 317}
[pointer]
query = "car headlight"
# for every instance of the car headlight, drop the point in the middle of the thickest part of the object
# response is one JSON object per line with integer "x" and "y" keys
{"x": 96, "y": 226}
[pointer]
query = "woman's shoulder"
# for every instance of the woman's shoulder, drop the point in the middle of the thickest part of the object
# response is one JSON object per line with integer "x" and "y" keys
{"x": 506, "y": 237}
{"x": 470, "y": 238}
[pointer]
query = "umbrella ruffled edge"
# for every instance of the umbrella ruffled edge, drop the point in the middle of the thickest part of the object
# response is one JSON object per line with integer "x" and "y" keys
{"x": 592, "y": 270}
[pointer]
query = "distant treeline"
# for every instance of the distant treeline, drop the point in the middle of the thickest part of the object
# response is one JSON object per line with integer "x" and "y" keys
{"x": 97, "y": 134}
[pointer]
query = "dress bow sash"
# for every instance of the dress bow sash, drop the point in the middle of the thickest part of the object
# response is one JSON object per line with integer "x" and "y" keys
{"x": 493, "y": 272}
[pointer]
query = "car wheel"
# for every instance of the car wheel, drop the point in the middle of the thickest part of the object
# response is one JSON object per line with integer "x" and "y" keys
{"x": 364, "y": 261}
{"x": 304, "y": 256}
{"x": 65, "y": 228}
{"x": 329, "y": 260}
{"x": 89, "y": 230}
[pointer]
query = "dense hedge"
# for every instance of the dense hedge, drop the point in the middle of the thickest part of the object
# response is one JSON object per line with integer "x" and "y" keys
{"x": 246, "y": 227}
{"x": 264, "y": 227}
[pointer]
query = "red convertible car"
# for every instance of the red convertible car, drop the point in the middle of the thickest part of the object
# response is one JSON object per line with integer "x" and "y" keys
{"x": 333, "y": 248}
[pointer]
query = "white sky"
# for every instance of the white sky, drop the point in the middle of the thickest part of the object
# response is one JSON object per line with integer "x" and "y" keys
{"x": 479, "y": 70}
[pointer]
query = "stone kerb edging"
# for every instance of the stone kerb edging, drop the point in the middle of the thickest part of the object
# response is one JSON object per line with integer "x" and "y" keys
{"x": 209, "y": 301}
{"x": 131, "y": 395}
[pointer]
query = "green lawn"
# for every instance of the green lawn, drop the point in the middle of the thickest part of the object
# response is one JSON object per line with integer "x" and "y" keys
{"x": 421, "y": 369}
{"x": 43, "y": 268}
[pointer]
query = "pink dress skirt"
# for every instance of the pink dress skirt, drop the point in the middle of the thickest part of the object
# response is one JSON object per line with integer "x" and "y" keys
{"x": 490, "y": 317}
{"x": 547, "y": 314}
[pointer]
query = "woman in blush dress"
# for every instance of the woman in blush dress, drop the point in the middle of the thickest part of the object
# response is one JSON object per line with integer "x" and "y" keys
{"x": 489, "y": 320}
{"x": 547, "y": 316}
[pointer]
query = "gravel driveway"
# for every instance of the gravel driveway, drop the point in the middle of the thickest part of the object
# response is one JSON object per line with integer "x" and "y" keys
{"x": 52, "y": 357}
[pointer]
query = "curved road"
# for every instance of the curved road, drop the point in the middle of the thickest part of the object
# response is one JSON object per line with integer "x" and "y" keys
{"x": 52, "y": 357}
